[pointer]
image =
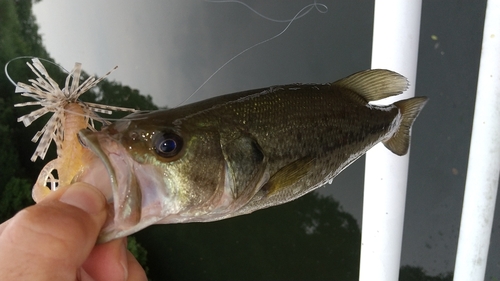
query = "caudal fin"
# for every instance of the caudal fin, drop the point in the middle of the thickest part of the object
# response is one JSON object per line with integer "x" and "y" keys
{"x": 410, "y": 108}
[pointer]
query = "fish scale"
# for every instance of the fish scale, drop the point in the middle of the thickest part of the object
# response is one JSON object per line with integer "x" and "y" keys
{"x": 333, "y": 127}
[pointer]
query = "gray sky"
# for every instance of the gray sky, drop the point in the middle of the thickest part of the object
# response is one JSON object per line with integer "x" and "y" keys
{"x": 167, "y": 49}
{"x": 139, "y": 38}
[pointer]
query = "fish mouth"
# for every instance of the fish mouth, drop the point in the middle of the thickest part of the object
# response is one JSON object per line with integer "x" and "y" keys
{"x": 89, "y": 140}
{"x": 122, "y": 191}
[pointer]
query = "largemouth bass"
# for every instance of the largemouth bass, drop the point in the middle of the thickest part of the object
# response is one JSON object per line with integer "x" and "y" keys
{"x": 234, "y": 154}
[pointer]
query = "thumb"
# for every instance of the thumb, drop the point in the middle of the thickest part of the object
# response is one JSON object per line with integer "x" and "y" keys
{"x": 51, "y": 240}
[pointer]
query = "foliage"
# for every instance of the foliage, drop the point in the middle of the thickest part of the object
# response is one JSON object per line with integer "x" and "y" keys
{"x": 9, "y": 160}
{"x": 15, "y": 195}
{"x": 114, "y": 93}
{"x": 415, "y": 273}
{"x": 18, "y": 37}
{"x": 138, "y": 251}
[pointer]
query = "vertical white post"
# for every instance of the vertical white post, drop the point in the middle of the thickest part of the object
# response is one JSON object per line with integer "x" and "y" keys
{"x": 395, "y": 46}
{"x": 483, "y": 171}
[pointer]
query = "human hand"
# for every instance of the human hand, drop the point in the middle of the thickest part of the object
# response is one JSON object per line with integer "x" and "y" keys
{"x": 55, "y": 240}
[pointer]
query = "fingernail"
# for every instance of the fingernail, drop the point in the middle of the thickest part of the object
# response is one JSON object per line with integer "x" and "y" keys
{"x": 84, "y": 197}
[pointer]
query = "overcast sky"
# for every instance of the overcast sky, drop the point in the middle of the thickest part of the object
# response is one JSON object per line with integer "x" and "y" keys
{"x": 167, "y": 49}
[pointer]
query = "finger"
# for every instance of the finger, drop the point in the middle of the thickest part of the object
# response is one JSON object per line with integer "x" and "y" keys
{"x": 50, "y": 240}
{"x": 4, "y": 225}
{"x": 135, "y": 270}
{"x": 112, "y": 261}
{"x": 108, "y": 261}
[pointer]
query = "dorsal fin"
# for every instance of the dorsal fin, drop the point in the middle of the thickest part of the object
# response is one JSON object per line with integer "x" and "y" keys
{"x": 375, "y": 84}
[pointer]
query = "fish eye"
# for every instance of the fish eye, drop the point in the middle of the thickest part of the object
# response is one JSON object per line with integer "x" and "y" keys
{"x": 168, "y": 144}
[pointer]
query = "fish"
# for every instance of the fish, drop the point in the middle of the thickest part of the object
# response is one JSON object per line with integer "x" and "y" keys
{"x": 238, "y": 153}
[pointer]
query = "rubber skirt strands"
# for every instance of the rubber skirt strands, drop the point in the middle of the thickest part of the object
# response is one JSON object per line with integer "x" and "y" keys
{"x": 70, "y": 115}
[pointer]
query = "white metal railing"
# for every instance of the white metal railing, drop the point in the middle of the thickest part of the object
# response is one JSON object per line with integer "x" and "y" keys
{"x": 483, "y": 170}
{"x": 396, "y": 31}
{"x": 395, "y": 46}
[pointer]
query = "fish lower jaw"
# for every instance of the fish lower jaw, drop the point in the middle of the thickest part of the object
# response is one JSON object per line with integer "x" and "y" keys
{"x": 111, "y": 231}
{"x": 127, "y": 213}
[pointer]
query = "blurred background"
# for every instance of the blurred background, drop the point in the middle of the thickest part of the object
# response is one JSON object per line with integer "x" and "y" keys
{"x": 166, "y": 50}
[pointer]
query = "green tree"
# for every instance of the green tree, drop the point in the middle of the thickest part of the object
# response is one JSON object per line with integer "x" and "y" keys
{"x": 15, "y": 195}
{"x": 114, "y": 93}
{"x": 16, "y": 39}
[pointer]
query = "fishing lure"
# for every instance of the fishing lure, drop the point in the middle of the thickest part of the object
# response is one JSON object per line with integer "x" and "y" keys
{"x": 70, "y": 115}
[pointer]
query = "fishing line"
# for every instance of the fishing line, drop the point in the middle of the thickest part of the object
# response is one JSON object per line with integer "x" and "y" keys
{"x": 321, "y": 8}
{"x": 28, "y": 57}
{"x": 314, "y": 5}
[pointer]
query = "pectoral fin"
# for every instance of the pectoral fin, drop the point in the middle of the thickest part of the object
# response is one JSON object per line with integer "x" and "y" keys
{"x": 246, "y": 166}
{"x": 288, "y": 175}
